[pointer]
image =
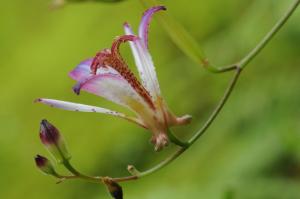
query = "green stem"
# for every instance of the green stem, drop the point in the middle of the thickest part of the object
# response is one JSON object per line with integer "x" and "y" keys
{"x": 162, "y": 164}
{"x": 176, "y": 141}
{"x": 171, "y": 158}
{"x": 269, "y": 35}
{"x": 213, "y": 116}
{"x": 238, "y": 68}
{"x": 77, "y": 174}
{"x": 218, "y": 108}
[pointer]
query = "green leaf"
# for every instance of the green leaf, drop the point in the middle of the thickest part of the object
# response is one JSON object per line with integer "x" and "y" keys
{"x": 181, "y": 37}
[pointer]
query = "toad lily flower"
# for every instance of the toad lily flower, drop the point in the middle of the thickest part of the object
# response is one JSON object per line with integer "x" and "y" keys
{"x": 107, "y": 75}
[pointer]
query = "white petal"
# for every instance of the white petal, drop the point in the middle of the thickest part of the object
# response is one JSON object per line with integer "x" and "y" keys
{"x": 144, "y": 64}
{"x": 70, "y": 106}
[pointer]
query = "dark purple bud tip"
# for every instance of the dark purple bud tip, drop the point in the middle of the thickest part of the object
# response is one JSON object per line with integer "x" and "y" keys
{"x": 40, "y": 161}
{"x": 44, "y": 165}
{"x": 48, "y": 133}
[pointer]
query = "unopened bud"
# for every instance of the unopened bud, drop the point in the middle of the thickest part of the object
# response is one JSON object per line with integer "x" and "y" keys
{"x": 132, "y": 170}
{"x": 44, "y": 165}
{"x": 113, "y": 188}
{"x": 53, "y": 141}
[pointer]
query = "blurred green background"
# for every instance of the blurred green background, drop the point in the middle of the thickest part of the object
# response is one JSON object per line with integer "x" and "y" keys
{"x": 252, "y": 150}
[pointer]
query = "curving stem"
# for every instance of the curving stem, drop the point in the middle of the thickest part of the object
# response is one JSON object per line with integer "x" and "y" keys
{"x": 235, "y": 67}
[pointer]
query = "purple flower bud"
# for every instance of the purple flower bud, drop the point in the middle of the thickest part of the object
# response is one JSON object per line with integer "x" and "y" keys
{"x": 44, "y": 165}
{"x": 53, "y": 141}
{"x": 48, "y": 133}
{"x": 40, "y": 161}
{"x": 114, "y": 188}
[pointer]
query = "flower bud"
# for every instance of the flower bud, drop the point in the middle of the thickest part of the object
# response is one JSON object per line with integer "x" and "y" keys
{"x": 132, "y": 170}
{"x": 44, "y": 165}
{"x": 53, "y": 141}
{"x": 114, "y": 188}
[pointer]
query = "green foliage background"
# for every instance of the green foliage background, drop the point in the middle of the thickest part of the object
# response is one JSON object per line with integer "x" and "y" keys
{"x": 252, "y": 151}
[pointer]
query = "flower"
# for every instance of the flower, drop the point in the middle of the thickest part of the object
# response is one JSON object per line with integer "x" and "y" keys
{"x": 53, "y": 141}
{"x": 107, "y": 75}
{"x": 44, "y": 165}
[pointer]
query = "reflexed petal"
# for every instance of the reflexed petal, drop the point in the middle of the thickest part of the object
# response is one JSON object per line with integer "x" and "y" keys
{"x": 70, "y": 106}
{"x": 82, "y": 71}
{"x": 144, "y": 25}
{"x": 144, "y": 64}
{"x": 112, "y": 86}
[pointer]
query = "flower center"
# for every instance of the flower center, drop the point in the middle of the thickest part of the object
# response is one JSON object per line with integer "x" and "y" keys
{"x": 112, "y": 58}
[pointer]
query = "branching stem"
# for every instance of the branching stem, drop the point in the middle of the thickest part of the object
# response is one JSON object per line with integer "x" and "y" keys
{"x": 184, "y": 146}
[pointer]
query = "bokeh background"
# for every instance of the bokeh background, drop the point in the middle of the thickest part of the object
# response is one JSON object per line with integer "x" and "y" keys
{"x": 252, "y": 151}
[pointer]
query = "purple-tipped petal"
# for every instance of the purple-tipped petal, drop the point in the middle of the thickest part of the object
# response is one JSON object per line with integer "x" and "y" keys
{"x": 82, "y": 71}
{"x": 70, "y": 106}
{"x": 144, "y": 25}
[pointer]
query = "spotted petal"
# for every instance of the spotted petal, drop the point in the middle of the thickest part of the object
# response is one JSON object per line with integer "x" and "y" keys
{"x": 70, "y": 106}
{"x": 144, "y": 65}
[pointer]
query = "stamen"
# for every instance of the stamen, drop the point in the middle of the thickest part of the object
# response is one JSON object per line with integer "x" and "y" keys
{"x": 114, "y": 59}
{"x": 100, "y": 59}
